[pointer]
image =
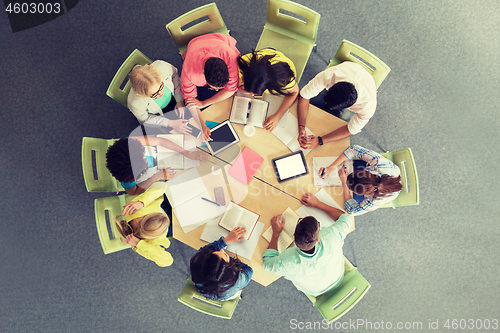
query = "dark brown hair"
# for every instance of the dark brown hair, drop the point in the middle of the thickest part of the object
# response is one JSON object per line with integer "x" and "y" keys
{"x": 363, "y": 182}
{"x": 212, "y": 275}
{"x": 306, "y": 233}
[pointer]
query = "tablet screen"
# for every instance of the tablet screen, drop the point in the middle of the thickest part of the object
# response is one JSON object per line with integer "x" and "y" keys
{"x": 290, "y": 166}
{"x": 223, "y": 136}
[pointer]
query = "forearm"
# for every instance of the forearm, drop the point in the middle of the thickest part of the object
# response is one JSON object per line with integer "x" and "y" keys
{"x": 156, "y": 141}
{"x": 273, "y": 244}
{"x": 288, "y": 101}
{"x": 338, "y": 134}
{"x": 302, "y": 110}
{"x": 341, "y": 159}
{"x": 346, "y": 192}
{"x": 220, "y": 96}
{"x": 333, "y": 212}
{"x": 147, "y": 183}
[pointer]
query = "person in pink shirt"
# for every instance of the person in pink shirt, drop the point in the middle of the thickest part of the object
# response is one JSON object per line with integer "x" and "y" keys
{"x": 348, "y": 86}
{"x": 209, "y": 72}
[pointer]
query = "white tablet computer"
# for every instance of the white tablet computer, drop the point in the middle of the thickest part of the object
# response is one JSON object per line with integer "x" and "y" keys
{"x": 290, "y": 166}
{"x": 223, "y": 136}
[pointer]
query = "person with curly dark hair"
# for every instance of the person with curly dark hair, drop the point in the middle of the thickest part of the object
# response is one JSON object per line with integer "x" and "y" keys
{"x": 215, "y": 274}
{"x": 135, "y": 169}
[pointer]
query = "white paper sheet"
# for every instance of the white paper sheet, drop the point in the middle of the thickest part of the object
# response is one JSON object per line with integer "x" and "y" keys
{"x": 289, "y": 134}
{"x": 196, "y": 211}
{"x": 245, "y": 248}
{"x": 321, "y": 216}
{"x": 185, "y": 187}
{"x": 333, "y": 177}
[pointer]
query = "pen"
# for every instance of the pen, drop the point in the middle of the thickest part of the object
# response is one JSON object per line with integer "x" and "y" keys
{"x": 215, "y": 203}
{"x": 322, "y": 172}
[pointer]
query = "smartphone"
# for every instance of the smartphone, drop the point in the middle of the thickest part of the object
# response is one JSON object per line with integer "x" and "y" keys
{"x": 194, "y": 131}
{"x": 219, "y": 196}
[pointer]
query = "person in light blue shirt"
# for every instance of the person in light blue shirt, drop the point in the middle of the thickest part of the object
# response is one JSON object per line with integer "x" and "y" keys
{"x": 315, "y": 264}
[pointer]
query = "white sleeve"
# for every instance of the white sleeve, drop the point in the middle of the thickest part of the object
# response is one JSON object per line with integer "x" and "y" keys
{"x": 315, "y": 86}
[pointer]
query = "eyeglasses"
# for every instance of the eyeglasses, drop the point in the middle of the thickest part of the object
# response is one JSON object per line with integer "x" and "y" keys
{"x": 158, "y": 92}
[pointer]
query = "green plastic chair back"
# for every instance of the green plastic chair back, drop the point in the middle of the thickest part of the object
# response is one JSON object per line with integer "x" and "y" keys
{"x": 409, "y": 195}
{"x": 114, "y": 90}
{"x": 106, "y": 227}
{"x": 349, "y": 51}
{"x": 337, "y": 302}
{"x": 94, "y": 153}
{"x": 182, "y": 34}
{"x": 285, "y": 32}
{"x": 191, "y": 297}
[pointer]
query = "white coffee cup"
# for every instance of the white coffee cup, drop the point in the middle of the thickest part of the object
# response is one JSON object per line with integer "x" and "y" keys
{"x": 249, "y": 130}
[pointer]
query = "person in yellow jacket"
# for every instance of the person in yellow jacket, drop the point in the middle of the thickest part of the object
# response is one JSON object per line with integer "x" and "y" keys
{"x": 144, "y": 226}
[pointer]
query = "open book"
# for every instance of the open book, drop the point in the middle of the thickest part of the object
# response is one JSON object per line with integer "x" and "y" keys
{"x": 247, "y": 111}
{"x": 237, "y": 216}
{"x": 168, "y": 158}
{"x": 286, "y": 236}
{"x": 256, "y": 118}
{"x": 333, "y": 178}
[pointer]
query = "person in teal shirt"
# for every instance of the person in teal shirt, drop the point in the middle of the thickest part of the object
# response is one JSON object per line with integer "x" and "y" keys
{"x": 315, "y": 264}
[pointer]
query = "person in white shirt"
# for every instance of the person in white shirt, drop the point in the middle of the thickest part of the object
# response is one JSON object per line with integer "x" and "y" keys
{"x": 348, "y": 85}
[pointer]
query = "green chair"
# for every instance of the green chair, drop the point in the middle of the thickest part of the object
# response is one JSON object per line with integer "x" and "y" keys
{"x": 349, "y": 51}
{"x": 106, "y": 209}
{"x": 283, "y": 31}
{"x": 337, "y": 302}
{"x": 114, "y": 89}
{"x": 97, "y": 177}
{"x": 193, "y": 24}
{"x": 191, "y": 297}
{"x": 409, "y": 194}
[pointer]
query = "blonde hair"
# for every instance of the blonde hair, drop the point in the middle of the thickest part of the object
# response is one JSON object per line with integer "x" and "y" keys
{"x": 151, "y": 226}
{"x": 142, "y": 77}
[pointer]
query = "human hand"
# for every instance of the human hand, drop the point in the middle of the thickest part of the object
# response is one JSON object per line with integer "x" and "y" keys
{"x": 271, "y": 122}
{"x": 309, "y": 142}
{"x": 309, "y": 200}
{"x": 179, "y": 110}
{"x": 324, "y": 172}
{"x": 277, "y": 223}
{"x": 132, "y": 207}
{"x": 343, "y": 173}
{"x": 194, "y": 101}
{"x": 131, "y": 240}
{"x": 197, "y": 155}
{"x": 180, "y": 126}
{"x": 306, "y": 142}
{"x": 235, "y": 235}
{"x": 206, "y": 132}
{"x": 168, "y": 174}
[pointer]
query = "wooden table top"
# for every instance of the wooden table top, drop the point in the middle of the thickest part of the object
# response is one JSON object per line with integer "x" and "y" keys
{"x": 257, "y": 194}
